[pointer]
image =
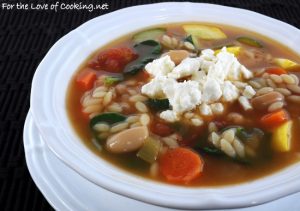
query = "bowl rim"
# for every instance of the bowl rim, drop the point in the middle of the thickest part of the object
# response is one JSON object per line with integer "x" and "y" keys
{"x": 51, "y": 122}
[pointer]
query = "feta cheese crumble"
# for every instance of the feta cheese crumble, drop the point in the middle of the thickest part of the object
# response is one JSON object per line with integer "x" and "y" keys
{"x": 210, "y": 80}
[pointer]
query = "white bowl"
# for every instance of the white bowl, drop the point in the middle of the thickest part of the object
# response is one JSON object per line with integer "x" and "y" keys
{"x": 48, "y": 103}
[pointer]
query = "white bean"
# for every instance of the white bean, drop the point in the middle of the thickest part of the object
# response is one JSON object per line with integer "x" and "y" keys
{"x": 128, "y": 140}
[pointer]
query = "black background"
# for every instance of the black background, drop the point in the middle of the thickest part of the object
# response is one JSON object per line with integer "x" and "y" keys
{"x": 25, "y": 38}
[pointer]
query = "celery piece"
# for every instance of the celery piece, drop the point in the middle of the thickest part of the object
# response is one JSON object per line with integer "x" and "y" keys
{"x": 150, "y": 149}
{"x": 110, "y": 80}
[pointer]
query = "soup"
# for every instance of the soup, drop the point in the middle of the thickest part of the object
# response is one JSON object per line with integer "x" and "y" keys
{"x": 192, "y": 104}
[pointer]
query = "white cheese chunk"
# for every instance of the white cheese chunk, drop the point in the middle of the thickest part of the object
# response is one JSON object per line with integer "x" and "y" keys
{"x": 187, "y": 67}
{"x": 161, "y": 66}
{"x": 230, "y": 92}
{"x": 217, "y": 108}
{"x": 199, "y": 76}
{"x": 245, "y": 103}
{"x": 153, "y": 88}
{"x": 169, "y": 116}
{"x": 246, "y": 73}
{"x": 205, "y": 109}
{"x": 183, "y": 96}
{"x": 249, "y": 92}
{"x": 211, "y": 91}
{"x": 213, "y": 79}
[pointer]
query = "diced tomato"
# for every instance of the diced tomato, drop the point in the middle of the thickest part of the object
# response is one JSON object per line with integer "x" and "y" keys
{"x": 144, "y": 75}
{"x": 220, "y": 124}
{"x": 192, "y": 137}
{"x": 86, "y": 79}
{"x": 161, "y": 129}
{"x": 276, "y": 70}
{"x": 113, "y": 60}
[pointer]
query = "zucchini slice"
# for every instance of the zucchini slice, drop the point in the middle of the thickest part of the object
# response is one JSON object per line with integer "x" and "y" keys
{"x": 204, "y": 32}
{"x": 151, "y": 34}
{"x": 249, "y": 41}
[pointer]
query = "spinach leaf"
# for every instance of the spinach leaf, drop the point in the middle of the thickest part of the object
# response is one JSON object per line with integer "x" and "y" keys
{"x": 212, "y": 151}
{"x": 108, "y": 118}
{"x": 147, "y": 50}
{"x": 254, "y": 134}
{"x": 189, "y": 39}
{"x": 158, "y": 104}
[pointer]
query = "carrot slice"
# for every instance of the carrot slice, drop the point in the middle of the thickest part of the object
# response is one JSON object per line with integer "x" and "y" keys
{"x": 180, "y": 165}
{"x": 276, "y": 71}
{"x": 85, "y": 79}
{"x": 275, "y": 118}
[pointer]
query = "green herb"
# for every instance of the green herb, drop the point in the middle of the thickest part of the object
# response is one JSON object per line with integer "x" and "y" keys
{"x": 249, "y": 41}
{"x": 147, "y": 50}
{"x": 254, "y": 134}
{"x": 189, "y": 39}
{"x": 158, "y": 104}
{"x": 212, "y": 151}
{"x": 111, "y": 80}
{"x": 193, "y": 40}
{"x": 109, "y": 118}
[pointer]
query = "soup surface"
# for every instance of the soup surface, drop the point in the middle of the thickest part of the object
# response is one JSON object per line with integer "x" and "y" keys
{"x": 193, "y": 104}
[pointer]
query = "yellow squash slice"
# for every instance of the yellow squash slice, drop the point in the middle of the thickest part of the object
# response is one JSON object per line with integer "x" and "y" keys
{"x": 234, "y": 50}
{"x": 284, "y": 63}
{"x": 281, "y": 138}
{"x": 204, "y": 32}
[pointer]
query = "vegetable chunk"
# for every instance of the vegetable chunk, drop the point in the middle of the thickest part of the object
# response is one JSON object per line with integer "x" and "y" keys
{"x": 234, "y": 50}
{"x": 151, "y": 34}
{"x": 86, "y": 79}
{"x": 284, "y": 63}
{"x": 204, "y": 32}
{"x": 180, "y": 165}
{"x": 281, "y": 139}
{"x": 274, "y": 119}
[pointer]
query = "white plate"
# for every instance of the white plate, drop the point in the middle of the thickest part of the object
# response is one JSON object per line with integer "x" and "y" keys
{"x": 66, "y": 190}
{"x": 48, "y": 103}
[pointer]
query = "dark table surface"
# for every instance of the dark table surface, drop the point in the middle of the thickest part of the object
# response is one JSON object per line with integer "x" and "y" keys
{"x": 25, "y": 38}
